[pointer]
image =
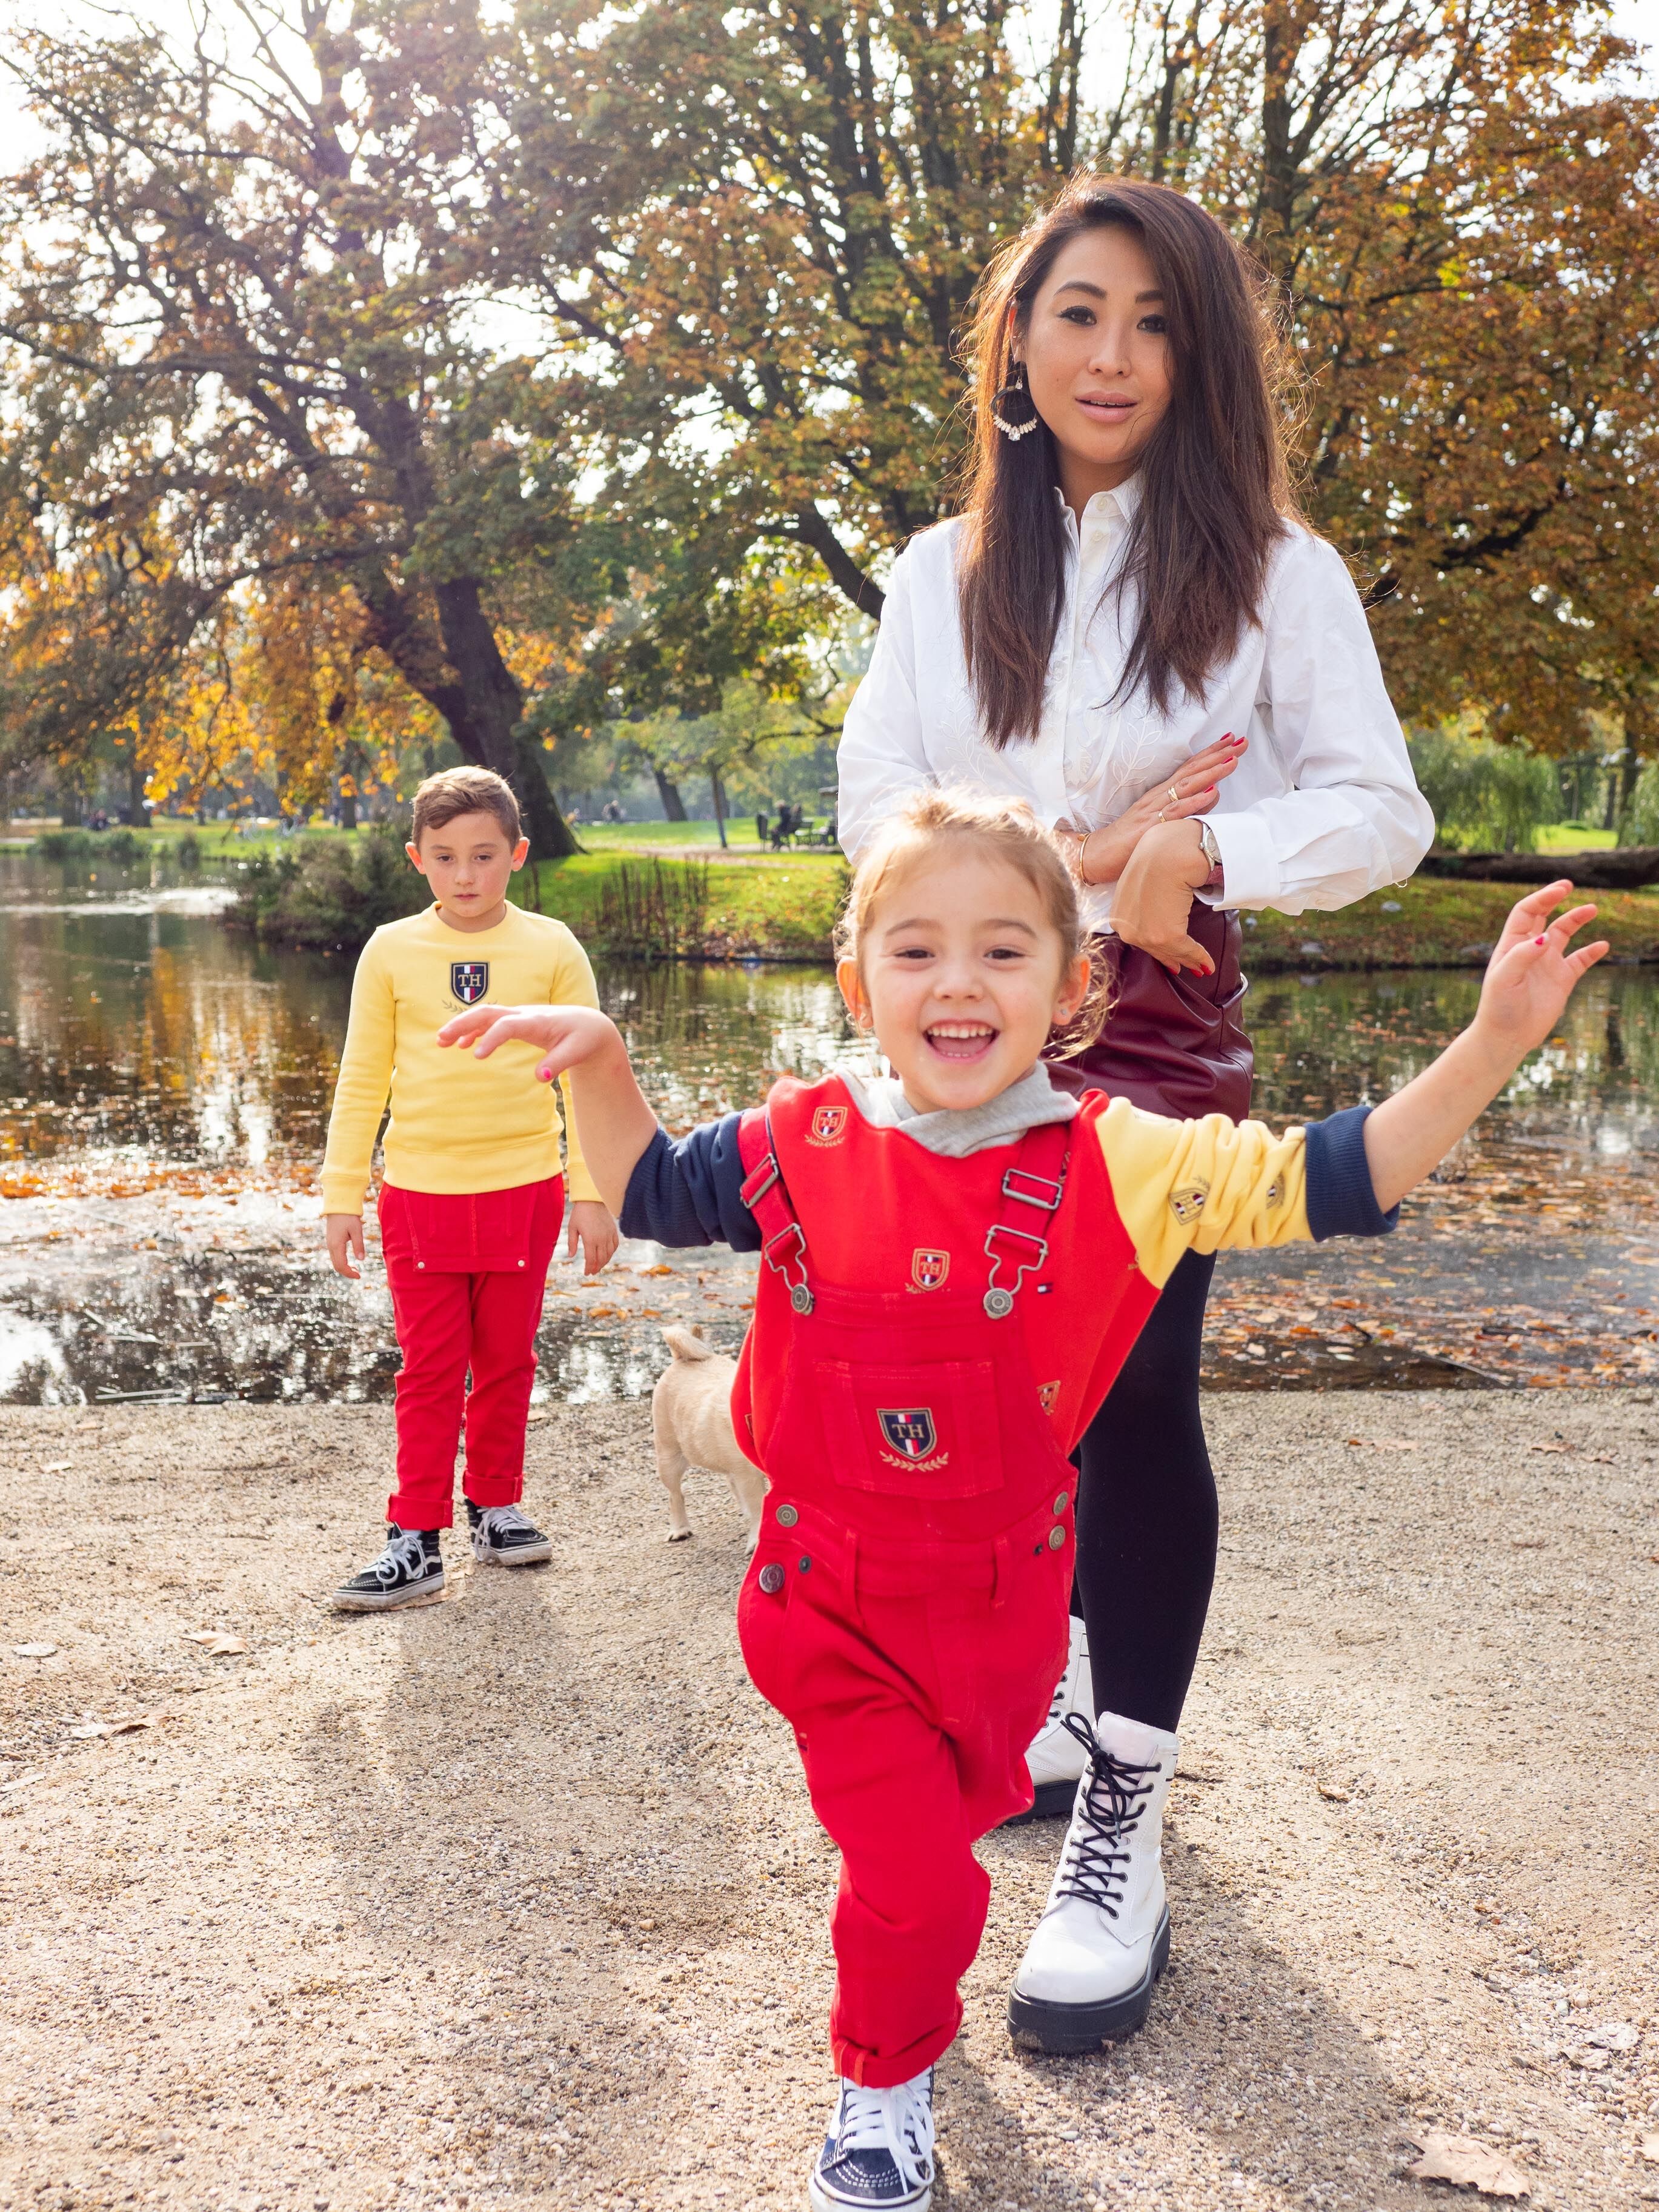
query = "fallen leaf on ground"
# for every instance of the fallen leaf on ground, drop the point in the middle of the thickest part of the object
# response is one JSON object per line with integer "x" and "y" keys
{"x": 215, "y": 1643}
{"x": 1384, "y": 1443}
{"x": 1528, "y": 1543}
{"x": 1333, "y": 1795}
{"x": 1550, "y": 1448}
{"x": 35, "y": 1651}
{"x": 57, "y": 1466}
{"x": 123, "y": 1725}
{"x": 1468, "y": 2164}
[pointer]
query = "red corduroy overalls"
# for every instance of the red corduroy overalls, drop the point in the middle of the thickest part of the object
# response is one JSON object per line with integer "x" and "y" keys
{"x": 906, "y": 1607}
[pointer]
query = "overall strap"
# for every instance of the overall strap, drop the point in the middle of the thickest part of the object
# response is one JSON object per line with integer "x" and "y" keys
{"x": 766, "y": 1194}
{"x": 1036, "y": 1183}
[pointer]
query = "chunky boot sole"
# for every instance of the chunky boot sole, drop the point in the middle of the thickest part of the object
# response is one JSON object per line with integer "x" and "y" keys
{"x": 1053, "y": 1801}
{"x": 428, "y": 1593}
{"x": 1039, "y": 2024}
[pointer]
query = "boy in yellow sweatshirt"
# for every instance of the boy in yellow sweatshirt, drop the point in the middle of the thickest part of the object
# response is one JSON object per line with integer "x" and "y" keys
{"x": 472, "y": 1196}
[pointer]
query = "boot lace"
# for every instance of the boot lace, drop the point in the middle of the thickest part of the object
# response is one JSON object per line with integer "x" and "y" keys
{"x": 1108, "y": 1809}
{"x": 899, "y": 2121}
{"x": 500, "y": 1519}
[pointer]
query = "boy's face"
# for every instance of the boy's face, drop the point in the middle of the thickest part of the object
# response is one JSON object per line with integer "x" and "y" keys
{"x": 469, "y": 863}
{"x": 963, "y": 978}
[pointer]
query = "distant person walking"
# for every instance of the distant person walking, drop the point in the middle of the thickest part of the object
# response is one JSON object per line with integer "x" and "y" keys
{"x": 1130, "y": 628}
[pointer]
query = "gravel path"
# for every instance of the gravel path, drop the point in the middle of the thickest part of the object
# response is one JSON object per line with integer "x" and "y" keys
{"x": 517, "y": 1898}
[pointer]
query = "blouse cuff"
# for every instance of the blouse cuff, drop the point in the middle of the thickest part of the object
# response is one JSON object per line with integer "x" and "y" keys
{"x": 1250, "y": 865}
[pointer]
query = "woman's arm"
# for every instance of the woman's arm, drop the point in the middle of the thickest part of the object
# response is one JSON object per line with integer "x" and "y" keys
{"x": 1353, "y": 818}
{"x": 881, "y": 758}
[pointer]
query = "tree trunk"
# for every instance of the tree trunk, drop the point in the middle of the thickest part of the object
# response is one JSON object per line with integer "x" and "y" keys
{"x": 720, "y": 804}
{"x": 673, "y": 805}
{"x": 137, "y": 813}
{"x": 347, "y": 804}
{"x": 68, "y": 806}
{"x": 550, "y": 836}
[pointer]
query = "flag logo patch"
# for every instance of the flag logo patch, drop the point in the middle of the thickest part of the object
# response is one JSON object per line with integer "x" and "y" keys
{"x": 828, "y": 1126}
{"x": 928, "y": 1268}
{"x": 469, "y": 980}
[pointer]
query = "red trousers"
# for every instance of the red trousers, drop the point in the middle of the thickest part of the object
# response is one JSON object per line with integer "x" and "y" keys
{"x": 467, "y": 1276}
{"x": 913, "y": 1697}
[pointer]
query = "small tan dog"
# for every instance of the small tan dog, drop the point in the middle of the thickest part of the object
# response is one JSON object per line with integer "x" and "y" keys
{"x": 691, "y": 1426}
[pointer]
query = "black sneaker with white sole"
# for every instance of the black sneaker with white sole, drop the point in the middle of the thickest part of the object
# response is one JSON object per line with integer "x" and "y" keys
{"x": 501, "y": 1537}
{"x": 878, "y": 2154}
{"x": 410, "y": 1571}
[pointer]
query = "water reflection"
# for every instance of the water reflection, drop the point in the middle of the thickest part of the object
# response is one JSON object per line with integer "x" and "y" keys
{"x": 164, "y": 1086}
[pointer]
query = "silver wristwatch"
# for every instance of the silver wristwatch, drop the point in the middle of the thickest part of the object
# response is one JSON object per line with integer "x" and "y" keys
{"x": 1214, "y": 880}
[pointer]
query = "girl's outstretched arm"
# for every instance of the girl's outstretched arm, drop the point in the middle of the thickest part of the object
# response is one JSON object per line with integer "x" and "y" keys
{"x": 615, "y": 1123}
{"x": 1529, "y": 979}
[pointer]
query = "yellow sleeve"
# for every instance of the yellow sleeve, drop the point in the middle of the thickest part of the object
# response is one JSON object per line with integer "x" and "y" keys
{"x": 1201, "y": 1186}
{"x": 364, "y": 1081}
{"x": 573, "y": 986}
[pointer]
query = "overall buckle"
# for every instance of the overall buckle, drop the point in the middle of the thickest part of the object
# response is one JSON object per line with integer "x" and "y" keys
{"x": 759, "y": 1180}
{"x": 800, "y": 1291}
{"x": 1034, "y": 1190}
{"x": 1000, "y": 1302}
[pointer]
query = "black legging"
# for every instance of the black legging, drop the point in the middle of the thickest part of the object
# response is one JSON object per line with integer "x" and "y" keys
{"x": 1147, "y": 1514}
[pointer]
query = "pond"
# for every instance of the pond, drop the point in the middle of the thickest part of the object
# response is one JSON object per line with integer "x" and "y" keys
{"x": 164, "y": 1086}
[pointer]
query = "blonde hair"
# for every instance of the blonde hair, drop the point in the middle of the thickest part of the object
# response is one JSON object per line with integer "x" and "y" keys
{"x": 455, "y": 791}
{"x": 1004, "y": 829}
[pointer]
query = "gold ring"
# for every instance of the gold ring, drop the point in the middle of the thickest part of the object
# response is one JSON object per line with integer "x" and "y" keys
{"x": 1175, "y": 796}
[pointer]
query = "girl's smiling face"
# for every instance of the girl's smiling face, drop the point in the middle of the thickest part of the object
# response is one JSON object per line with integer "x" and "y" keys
{"x": 962, "y": 974}
{"x": 1097, "y": 357}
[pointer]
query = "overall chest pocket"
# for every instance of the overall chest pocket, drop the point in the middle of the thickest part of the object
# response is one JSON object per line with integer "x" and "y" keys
{"x": 914, "y": 1431}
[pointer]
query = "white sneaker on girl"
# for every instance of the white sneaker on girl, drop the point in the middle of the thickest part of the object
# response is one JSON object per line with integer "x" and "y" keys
{"x": 1057, "y": 1754}
{"x": 1104, "y": 1938}
{"x": 878, "y": 2154}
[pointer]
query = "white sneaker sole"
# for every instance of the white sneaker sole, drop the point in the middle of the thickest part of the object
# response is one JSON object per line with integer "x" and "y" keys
{"x": 821, "y": 2201}
{"x": 1040, "y": 2024}
{"x": 428, "y": 1593}
{"x": 525, "y": 1555}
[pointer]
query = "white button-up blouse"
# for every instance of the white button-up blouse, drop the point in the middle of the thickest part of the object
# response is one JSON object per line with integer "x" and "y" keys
{"x": 1322, "y": 809}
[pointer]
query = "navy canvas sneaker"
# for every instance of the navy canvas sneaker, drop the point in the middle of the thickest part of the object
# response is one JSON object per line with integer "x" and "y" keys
{"x": 878, "y": 2154}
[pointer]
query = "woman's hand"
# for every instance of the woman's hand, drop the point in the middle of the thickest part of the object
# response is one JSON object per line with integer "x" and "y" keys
{"x": 1100, "y": 856}
{"x": 1154, "y": 896}
{"x": 593, "y": 1225}
{"x": 567, "y": 1036}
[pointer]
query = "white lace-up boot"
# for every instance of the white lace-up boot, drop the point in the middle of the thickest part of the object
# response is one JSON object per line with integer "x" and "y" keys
{"x": 1058, "y": 1755}
{"x": 1103, "y": 1939}
{"x": 878, "y": 2154}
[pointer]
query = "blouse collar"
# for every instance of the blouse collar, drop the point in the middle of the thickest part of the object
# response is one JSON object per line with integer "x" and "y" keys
{"x": 1106, "y": 506}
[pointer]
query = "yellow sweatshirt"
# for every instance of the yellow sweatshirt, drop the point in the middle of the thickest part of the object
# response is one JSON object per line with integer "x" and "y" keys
{"x": 458, "y": 1123}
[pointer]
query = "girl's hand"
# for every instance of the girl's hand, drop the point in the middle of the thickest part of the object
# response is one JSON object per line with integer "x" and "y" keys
{"x": 1532, "y": 972}
{"x": 1154, "y": 897}
{"x": 591, "y": 1222}
{"x": 567, "y": 1035}
{"x": 1102, "y": 854}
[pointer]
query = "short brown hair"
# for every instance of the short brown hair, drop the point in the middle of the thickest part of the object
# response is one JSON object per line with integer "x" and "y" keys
{"x": 1008, "y": 830}
{"x": 455, "y": 791}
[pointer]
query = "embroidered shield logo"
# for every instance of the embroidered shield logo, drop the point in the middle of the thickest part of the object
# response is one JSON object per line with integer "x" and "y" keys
{"x": 1047, "y": 1395}
{"x": 828, "y": 1126}
{"x": 469, "y": 980}
{"x": 1187, "y": 1200}
{"x": 910, "y": 1431}
{"x": 928, "y": 1268}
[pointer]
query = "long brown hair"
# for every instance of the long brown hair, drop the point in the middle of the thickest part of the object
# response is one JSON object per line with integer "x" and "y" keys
{"x": 1214, "y": 475}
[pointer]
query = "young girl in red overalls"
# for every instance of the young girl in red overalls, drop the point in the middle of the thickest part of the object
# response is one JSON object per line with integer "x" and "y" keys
{"x": 956, "y": 1259}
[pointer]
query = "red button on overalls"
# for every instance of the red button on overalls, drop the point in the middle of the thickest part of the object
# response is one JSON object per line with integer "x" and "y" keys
{"x": 906, "y": 1606}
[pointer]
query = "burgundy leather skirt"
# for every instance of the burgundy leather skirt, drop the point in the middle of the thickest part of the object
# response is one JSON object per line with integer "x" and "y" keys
{"x": 1174, "y": 1044}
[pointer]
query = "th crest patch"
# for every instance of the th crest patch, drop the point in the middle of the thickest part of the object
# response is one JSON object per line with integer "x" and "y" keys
{"x": 1046, "y": 1396}
{"x": 469, "y": 980}
{"x": 828, "y": 1126}
{"x": 928, "y": 1268}
{"x": 1187, "y": 1201}
{"x": 909, "y": 1430}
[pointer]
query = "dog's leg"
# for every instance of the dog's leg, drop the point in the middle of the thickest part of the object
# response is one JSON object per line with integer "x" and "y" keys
{"x": 671, "y": 1464}
{"x": 749, "y": 1488}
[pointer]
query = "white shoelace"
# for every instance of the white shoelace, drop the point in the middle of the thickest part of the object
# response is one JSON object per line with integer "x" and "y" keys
{"x": 403, "y": 1554}
{"x": 504, "y": 1517}
{"x": 899, "y": 2121}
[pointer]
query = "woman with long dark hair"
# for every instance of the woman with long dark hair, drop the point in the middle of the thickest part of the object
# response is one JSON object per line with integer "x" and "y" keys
{"x": 1129, "y": 626}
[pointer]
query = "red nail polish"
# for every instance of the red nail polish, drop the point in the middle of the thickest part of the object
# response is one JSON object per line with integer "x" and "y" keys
{"x": 1538, "y": 940}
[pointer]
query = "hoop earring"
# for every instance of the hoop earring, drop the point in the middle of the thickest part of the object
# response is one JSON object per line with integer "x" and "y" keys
{"x": 1017, "y": 389}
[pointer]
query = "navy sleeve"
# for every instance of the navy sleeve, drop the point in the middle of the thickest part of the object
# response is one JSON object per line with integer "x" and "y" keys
{"x": 1340, "y": 1200}
{"x": 687, "y": 1192}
